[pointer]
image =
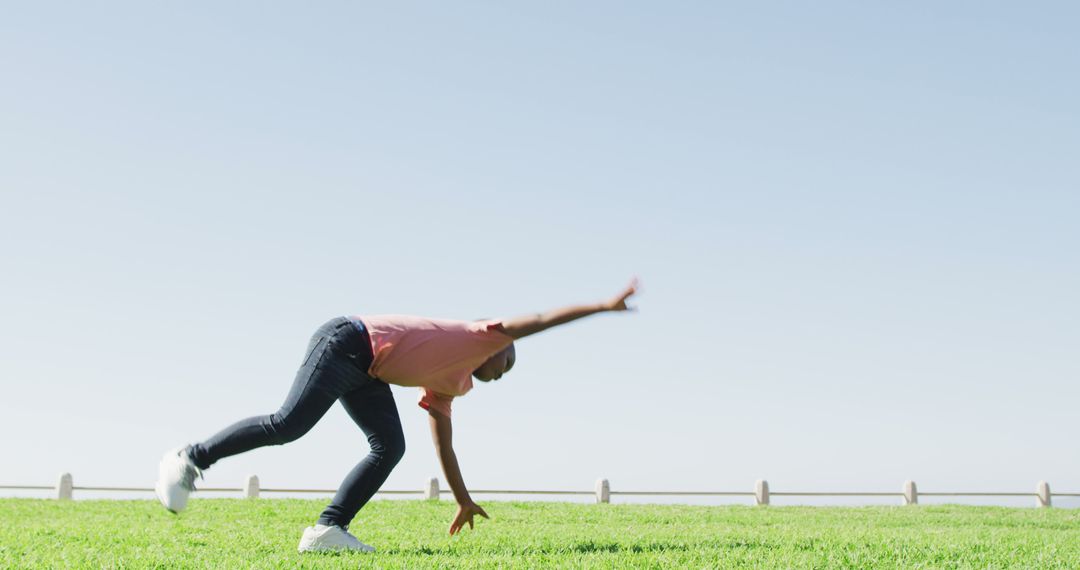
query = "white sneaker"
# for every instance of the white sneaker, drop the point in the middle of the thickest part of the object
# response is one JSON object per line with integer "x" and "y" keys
{"x": 176, "y": 479}
{"x": 320, "y": 538}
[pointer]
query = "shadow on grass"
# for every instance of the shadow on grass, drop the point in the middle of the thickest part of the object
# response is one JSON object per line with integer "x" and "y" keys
{"x": 586, "y": 547}
{"x": 581, "y": 547}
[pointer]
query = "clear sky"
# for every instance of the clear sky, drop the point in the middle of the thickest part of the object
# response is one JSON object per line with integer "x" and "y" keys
{"x": 856, "y": 225}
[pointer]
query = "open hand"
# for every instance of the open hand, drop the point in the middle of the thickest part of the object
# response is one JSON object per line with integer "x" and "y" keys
{"x": 465, "y": 514}
{"x": 618, "y": 303}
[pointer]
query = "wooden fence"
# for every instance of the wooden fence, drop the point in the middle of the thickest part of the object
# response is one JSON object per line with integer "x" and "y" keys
{"x": 602, "y": 492}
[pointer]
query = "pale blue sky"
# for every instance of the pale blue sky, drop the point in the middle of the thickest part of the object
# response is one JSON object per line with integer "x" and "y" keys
{"x": 856, "y": 225}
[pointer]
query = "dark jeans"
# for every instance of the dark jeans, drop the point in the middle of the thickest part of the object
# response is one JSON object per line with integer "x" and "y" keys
{"x": 335, "y": 368}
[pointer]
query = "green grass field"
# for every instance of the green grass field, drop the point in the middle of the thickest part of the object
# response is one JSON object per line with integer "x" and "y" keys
{"x": 237, "y": 533}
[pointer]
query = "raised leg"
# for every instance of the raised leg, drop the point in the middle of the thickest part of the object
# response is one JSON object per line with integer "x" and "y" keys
{"x": 314, "y": 390}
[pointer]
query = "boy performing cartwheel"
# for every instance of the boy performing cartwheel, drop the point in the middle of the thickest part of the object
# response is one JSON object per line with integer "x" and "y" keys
{"x": 353, "y": 360}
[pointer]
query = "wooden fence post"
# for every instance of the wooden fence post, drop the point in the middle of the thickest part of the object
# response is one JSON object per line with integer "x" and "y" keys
{"x": 64, "y": 487}
{"x": 761, "y": 492}
{"x": 911, "y": 493}
{"x": 431, "y": 492}
{"x": 603, "y": 491}
{"x": 251, "y": 488}
{"x": 1042, "y": 494}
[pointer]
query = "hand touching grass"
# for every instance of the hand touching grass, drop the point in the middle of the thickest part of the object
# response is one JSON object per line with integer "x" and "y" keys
{"x": 465, "y": 514}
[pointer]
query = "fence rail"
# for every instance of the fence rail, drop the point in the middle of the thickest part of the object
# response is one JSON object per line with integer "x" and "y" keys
{"x": 65, "y": 488}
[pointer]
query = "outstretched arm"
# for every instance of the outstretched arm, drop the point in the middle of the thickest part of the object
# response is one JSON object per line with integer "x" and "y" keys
{"x": 531, "y": 324}
{"x": 443, "y": 434}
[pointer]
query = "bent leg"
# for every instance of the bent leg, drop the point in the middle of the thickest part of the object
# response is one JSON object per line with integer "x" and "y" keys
{"x": 311, "y": 395}
{"x": 372, "y": 407}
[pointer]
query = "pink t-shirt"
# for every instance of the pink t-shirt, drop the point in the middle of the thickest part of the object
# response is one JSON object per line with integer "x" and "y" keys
{"x": 437, "y": 355}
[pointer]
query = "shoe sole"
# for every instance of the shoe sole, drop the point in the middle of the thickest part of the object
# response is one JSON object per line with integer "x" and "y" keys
{"x": 157, "y": 493}
{"x": 334, "y": 548}
{"x": 331, "y": 549}
{"x": 157, "y": 488}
